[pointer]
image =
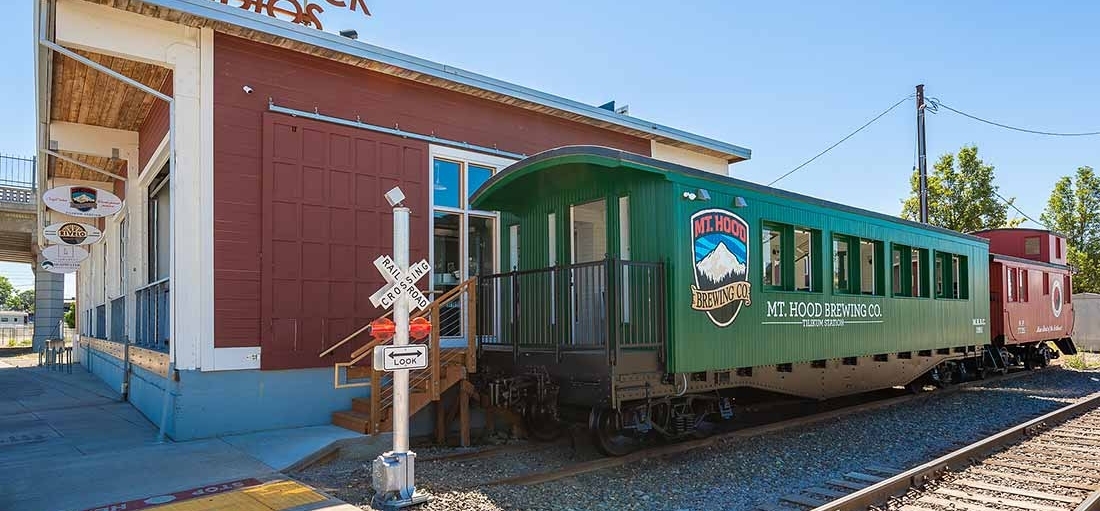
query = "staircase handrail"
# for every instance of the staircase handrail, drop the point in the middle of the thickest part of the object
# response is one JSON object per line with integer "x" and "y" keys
{"x": 443, "y": 297}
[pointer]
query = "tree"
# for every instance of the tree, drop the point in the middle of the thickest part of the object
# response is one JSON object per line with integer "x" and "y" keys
{"x": 961, "y": 195}
{"x": 21, "y": 301}
{"x": 6, "y": 290}
{"x": 70, "y": 315}
{"x": 1073, "y": 210}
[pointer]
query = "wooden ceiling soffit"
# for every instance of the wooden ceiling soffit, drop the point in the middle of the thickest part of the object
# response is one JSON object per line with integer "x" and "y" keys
{"x": 84, "y": 95}
{"x": 59, "y": 168}
{"x": 174, "y": 16}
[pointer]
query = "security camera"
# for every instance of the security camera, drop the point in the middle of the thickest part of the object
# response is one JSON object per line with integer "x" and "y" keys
{"x": 247, "y": 89}
{"x": 395, "y": 196}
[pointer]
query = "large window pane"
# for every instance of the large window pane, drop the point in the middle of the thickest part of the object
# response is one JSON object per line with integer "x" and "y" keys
{"x": 803, "y": 260}
{"x": 840, "y": 264}
{"x": 896, "y": 270}
{"x": 476, "y": 176}
{"x": 773, "y": 254}
{"x": 446, "y": 183}
{"x": 445, "y": 241}
{"x": 481, "y": 246}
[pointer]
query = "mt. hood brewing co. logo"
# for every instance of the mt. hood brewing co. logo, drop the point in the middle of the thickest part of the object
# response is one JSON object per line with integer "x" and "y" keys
{"x": 719, "y": 246}
{"x": 82, "y": 199}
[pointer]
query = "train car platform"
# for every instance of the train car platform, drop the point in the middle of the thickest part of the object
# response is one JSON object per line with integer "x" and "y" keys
{"x": 67, "y": 442}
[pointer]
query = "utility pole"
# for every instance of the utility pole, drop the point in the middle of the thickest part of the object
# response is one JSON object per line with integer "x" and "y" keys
{"x": 922, "y": 158}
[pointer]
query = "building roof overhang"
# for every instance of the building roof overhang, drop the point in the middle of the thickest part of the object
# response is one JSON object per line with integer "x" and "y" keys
{"x": 243, "y": 23}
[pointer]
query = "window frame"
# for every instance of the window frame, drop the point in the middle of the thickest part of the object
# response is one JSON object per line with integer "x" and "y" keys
{"x": 787, "y": 264}
{"x": 855, "y": 265}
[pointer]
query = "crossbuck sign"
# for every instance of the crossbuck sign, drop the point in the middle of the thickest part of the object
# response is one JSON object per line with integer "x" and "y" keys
{"x": 398, "y": 282}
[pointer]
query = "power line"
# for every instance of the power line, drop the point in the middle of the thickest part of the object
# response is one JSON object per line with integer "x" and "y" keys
{"x": 1014, "y": 128}
{"x": 1018, "y": 210}
{"x": 841, "y": 141}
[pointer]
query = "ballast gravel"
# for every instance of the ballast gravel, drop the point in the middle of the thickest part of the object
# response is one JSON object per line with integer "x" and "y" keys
{"x": 738, "y": 474}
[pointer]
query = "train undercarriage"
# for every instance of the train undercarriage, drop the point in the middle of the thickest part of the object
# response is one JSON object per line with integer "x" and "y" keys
{"x": 624, "y": 407}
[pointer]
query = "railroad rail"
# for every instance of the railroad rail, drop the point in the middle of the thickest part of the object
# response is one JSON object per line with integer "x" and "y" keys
{"x": 1050, "y": 463}
{"x": 584, "y": 467}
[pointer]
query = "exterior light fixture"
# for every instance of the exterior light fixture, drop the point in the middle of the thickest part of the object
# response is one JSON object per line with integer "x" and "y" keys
{"x": 739, "y": 202}
{"x": 703, "y": 194}
{"x": 689, "y": 195}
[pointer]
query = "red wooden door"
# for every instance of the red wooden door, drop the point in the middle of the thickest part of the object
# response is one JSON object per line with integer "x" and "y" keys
{"x": 324, "y": 221}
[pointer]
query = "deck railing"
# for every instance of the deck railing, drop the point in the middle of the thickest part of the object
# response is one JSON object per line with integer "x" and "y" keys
{"x": 17, "y": 179}
{"x": 153, "y": 321}
{"x": 574, "y": 307}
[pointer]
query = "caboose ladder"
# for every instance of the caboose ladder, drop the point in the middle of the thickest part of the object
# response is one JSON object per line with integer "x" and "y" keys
{"x": 447, "y": 367}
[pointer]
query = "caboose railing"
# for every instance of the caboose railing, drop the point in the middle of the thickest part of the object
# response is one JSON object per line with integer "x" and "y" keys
{"x": 595, "y": 306}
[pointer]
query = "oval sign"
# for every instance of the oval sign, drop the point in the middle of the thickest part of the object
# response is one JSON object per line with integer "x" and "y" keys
{"x": 52, "y": 267}
{"x": 72, "y": 233}
{"x": 62, "y": 254}
{"x": 83, "y": 201}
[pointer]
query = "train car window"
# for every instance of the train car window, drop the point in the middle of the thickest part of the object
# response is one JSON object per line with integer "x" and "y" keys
{"x": 1031, "y": 245}
{"x": 841, "y": 273}
{"x": 919, "y": 271}
{"x": 773, "y": 255}
{"x": 804, "y": 260}
{"x": 939, "y": 265}
{"x": 900, "y": 271}
{"x": 1022, "y": 280}
{"x": 1057, "y": 248}
{"x": 870, "y": 267}
{"x": 1011, "y": 287}
{"x": 956, "y": 277}
{"x": 1046, "y": 283}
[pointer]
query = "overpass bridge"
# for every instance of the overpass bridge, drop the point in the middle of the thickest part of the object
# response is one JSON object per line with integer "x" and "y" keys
{"x": 19, "y": 227}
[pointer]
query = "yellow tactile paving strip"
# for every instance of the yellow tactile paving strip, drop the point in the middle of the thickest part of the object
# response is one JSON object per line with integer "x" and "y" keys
{"x": 270, "y": 496}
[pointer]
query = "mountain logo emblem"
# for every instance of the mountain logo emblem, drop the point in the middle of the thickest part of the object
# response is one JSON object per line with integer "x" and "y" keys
{"x": 720, "y": 253}
{"x": 83, "y": 199}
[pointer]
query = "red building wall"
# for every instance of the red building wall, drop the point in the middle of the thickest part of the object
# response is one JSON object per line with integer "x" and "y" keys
{"x": 278, "y": 215}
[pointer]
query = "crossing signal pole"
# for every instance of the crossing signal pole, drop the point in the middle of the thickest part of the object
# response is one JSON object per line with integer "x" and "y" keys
{"x": 922, "y": 159}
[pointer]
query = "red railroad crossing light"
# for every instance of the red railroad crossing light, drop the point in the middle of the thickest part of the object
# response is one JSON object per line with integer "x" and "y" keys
{"x": 419, "y": 328}
{"x": 382, "y": 328}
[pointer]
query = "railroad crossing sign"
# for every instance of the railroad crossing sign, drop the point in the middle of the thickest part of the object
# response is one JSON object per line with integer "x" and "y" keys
{"x": 392, "y": 358}
{"x": 397, "y": 282}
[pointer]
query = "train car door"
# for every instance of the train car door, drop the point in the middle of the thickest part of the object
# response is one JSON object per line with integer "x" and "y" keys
{"x": 588, "y": 225}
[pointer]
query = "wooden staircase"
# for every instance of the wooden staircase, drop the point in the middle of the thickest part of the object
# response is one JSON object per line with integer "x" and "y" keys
{"x": 447, "y": 367}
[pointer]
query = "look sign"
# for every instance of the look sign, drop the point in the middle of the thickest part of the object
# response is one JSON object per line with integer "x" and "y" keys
{"x": 398, "y": 282}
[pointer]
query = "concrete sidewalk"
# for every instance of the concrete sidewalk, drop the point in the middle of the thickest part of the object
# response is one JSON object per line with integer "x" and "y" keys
{"x": 67, "y": 442}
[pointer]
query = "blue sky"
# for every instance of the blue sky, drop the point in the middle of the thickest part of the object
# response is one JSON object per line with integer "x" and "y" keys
{"x": 783, "y": 79}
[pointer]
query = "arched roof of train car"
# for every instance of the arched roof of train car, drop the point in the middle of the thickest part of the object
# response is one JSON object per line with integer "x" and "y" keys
{"x": 485, "y": 197}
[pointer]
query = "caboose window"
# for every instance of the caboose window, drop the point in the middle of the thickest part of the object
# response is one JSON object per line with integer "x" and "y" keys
{"x": 1031, "y": 245}
{"x": 772, "y": 251}
{"x": 804, "y": 260}
{"x": 1011, "y": 287}
{"x": 1022, "y": 282}
{"x": 841, "y": 262}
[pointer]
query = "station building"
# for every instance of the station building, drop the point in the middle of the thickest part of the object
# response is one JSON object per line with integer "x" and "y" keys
{"x": 251, "y": 153}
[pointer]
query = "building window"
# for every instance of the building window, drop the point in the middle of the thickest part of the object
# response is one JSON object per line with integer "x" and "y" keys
{"x": 464, "y": 240}
{"x": 158, "y": 212}
{"x": 1031, "y": 245}
{"x": 773, "y": 255}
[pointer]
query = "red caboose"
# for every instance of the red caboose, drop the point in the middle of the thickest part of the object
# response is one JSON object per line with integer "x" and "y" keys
{"x": 1029, "y": 292}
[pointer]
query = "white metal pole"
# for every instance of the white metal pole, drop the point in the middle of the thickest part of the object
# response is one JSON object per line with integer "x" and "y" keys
{"x": 401, "y": 333}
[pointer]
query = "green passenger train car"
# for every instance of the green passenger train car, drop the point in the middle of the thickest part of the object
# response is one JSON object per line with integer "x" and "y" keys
{"x": 642, "y": 291}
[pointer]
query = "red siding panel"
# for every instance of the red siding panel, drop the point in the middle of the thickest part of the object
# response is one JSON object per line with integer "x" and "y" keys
{"x": 154, "y": 127}
{"x": 311, "y": 198}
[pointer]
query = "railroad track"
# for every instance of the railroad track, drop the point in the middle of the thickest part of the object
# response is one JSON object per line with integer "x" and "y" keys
{"x": 584, "y": 467}
{"x": 1050, "y": 463}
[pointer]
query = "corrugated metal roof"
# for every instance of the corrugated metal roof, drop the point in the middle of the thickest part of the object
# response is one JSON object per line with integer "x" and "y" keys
{"x": 219, "y": 12}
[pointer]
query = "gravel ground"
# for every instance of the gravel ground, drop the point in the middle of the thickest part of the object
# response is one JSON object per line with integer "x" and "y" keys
{"x": 737, "y": 474}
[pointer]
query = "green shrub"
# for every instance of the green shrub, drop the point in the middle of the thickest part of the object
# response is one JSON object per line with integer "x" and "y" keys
{"x": 1081, "y": 362}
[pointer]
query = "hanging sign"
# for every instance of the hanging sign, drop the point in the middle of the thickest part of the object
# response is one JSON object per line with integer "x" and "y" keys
{"x": 83, "y": 201}
{"x": 72, "y": 233}
{"x": 62, "y": 254}
{"x": 51, "y": 267}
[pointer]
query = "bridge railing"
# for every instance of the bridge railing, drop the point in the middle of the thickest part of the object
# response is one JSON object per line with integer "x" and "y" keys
{"x": 17, "y": 179}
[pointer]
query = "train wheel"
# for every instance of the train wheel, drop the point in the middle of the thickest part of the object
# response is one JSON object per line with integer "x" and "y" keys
{"x": 606, "y": 427}
{"x": 542, "y": 424}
